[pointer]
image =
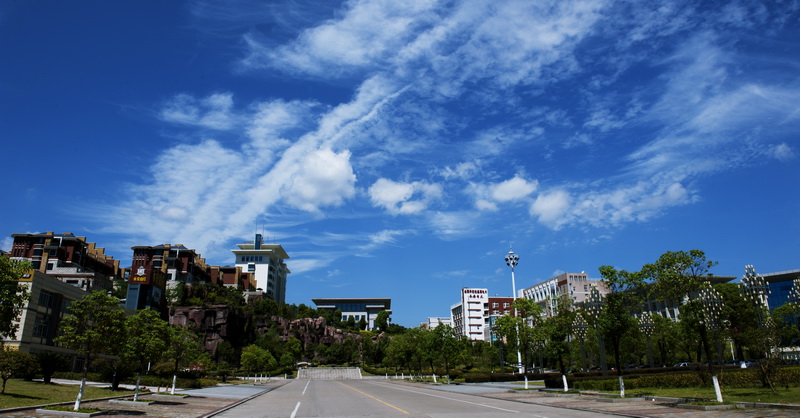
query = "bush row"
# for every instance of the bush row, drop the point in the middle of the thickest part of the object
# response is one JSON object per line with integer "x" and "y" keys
{"x": 729, "y": 378}
{"x": 504, "y": 377}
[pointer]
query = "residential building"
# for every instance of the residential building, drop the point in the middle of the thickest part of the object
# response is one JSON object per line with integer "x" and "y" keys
{"x": 68, "y": 258}
{"x": 266, "y": 264}
{"x": 358, "y": 308}
{"x": 154, "y": 269}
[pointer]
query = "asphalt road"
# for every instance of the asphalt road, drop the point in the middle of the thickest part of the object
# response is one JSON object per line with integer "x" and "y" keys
{"x": 376, "y": 398}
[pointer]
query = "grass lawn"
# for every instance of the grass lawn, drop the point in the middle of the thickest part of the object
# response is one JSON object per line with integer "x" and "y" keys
{"x": 783, "y": 395}
{"x": 22, "y": 393}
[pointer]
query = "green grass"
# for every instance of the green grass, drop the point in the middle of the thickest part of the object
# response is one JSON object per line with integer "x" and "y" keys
{"x": 22, "y": 393}
{"x": 760, "y": 395}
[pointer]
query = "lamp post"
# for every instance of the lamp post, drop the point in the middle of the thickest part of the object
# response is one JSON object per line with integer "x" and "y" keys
{"x": 512, "y": 260}
{"x": 579, "y": 327}
{"x": 754, "y": 288}
{"x": 712, "y": 308}
{"x": 648, "y": 327}
{"x": 594, "y": 305}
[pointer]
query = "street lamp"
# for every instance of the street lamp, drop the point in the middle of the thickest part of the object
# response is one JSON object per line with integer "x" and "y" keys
{"x": 754, "y": 288}
{"x": 594, "y": 305}
{"x": 712, "y": 308}
{"x": 648, "y": 327}
{"x": 512, "y": 260}
{"x": 580, "y": 327}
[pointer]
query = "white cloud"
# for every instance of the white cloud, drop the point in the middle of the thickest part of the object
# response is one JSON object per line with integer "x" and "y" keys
{"x": 6, "y": 244}
{"x": 782, "y": 152}
{"x": 213, "y": 112}
{"x": 324, "y": 179}
{"x": 551, "y": 207}
{"x": 487, "y": 196}
{"x": 396, "y": 197}
{"x": 512, "y": 189}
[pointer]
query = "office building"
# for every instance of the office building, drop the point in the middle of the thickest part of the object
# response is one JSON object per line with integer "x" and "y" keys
{"x": 358, "y": 308}
{"x": 266, "y": 264}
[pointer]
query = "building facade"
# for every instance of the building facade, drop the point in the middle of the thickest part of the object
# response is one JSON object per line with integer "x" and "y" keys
{"x": 154, "y": 269}
{"x": 358, "y": 308}
{"x": 266, "y": 264}
{"x": 68, "y": 258}
{"x": 575, "y": 286}
{"x": 470, "y": 317}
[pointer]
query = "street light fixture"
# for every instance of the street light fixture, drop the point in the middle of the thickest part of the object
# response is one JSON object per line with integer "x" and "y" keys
{"x": 580, "y": 328}
{"x": 648, "y": 327}
{"x": 512, "y": 260}
{"x": 754, "y": 288}
{"x": 594, "y": 305}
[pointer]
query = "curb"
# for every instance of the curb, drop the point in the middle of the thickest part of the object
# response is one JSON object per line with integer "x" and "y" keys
{"x": 241, "y": 401}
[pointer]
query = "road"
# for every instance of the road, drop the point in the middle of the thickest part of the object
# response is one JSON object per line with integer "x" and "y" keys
{"x": 377, "y": 398}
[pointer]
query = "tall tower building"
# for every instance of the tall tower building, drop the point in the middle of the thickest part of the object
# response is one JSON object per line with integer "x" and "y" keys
{"x": 266, "y": 264}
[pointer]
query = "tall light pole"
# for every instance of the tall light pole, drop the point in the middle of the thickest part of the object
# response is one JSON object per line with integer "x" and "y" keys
{"x": 512, "y": 260}
{"x": 594, "y": 305}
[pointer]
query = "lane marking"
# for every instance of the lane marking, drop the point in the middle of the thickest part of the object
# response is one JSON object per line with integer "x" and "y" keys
{"x": 304, "y": 389}
{"x": 370, "y": 396}
{"x": 450, "y": 399}
{"x": 296, "y": 407}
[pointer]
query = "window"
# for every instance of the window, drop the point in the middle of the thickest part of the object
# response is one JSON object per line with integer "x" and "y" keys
{"x": 251, "y": 268}
{"x": 45, "y": 299}
{"x": 506, "y": 304}
{"x": 40, "y": 326}
{"x": 495, "y": 305}
{"x": 49, "y": 266}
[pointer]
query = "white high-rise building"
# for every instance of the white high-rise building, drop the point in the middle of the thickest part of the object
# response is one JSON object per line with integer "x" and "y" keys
{"x": 265, "y": 262}
{"x": 470, "y": 316}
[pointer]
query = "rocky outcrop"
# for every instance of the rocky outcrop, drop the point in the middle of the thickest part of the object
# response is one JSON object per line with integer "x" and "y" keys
{"x": 219, "y": 323}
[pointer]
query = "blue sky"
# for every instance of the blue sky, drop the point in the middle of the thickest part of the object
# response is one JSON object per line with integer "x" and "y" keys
{"x": 398, "y": 149}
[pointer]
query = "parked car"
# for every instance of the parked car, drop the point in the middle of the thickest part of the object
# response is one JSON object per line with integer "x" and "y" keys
{"x": 682, "y": 364}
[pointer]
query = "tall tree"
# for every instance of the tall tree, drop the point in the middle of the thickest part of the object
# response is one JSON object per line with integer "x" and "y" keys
{"x": 678, "y": 277}
{"x": 558, "y": 329}
{"x": 183, "y": 347}
{"x": 13, "y": 294}
{"x": 616, "y": 319}
{"x": 95, "y": 325}
{"x": 147, "y": 341}
{"x": 449, "y": 346}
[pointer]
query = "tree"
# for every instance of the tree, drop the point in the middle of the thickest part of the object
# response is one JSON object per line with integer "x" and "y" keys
{"x": 94, "y": 326}
{"x": 382, "y": 321}
{"x": 616, "y": 319}
{"x": 679, "y": 277}
{"x": 15, "y": 363}
{"x": 449, "y": 346}
{"x": 183, "y": 347}
{"x": 49, "y": 363}
{"x": 255, "y": 358}
{"x": 147, "y": 338}
{"x": 13, "y": 294}
{"x": 558, "y": 329}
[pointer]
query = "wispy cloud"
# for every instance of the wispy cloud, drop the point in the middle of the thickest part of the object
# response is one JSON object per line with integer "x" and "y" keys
{"x": 460, "y": 112}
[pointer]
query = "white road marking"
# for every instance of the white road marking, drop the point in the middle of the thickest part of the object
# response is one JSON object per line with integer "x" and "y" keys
{"x": 296, "y": 407}
{"x": 304, "y": 389}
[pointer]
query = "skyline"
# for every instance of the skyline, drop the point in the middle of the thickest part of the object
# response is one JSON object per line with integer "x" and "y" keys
{"x": 400, "y": 149}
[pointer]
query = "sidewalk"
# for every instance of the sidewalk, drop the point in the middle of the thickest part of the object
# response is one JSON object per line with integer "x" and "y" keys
{"x": 635, "y": 407}
{"x": 196, "y": 403}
